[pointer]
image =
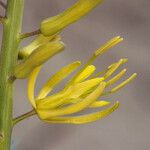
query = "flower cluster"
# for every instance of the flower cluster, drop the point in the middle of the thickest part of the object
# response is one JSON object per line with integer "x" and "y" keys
{"x": 82, "y": 91}
{"x": 85, "y": 89}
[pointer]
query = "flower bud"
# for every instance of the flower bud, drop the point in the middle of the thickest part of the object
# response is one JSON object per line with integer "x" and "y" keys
{"x": 37, "y": 58}
{"x": 55, "y": 24}
{"x": 37, "y": 42}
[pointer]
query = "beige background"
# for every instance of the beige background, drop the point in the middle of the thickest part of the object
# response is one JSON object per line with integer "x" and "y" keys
{"x": 128, "y": 127}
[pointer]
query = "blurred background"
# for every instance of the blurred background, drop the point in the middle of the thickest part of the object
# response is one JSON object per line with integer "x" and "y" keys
{"x": 128, "y": 127}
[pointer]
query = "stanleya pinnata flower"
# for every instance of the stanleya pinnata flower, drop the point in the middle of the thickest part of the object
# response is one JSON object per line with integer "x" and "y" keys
{"x": 83, "y": 91}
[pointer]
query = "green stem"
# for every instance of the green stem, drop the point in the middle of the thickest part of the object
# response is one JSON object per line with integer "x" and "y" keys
{"x": 24, "y": 116}
{"x": 8, "y": 59}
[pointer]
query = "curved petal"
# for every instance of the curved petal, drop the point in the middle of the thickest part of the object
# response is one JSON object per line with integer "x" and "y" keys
{"x": 44, "y": 114}
{"x": 84, "y": 118}
{"x": 72, "y": 92}
{"x": 56, "y": 78}
{"x": 31, "y": 85}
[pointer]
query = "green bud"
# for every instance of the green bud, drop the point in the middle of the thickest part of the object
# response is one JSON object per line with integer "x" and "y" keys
{"x": 37, "y": 58}
{"x": 55, "y": 24}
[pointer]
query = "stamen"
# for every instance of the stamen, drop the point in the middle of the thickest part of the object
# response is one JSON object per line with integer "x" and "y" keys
{"x": 123, "y": 83}
{"x": 116, "y": 78}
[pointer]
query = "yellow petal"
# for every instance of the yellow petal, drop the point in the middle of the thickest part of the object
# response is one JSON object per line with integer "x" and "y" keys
{"x": 72, "y": 92}
{"x": 82, "y": 87}
{"x": 85, "y": 74}
{"x": 31, "y": 85}
{"x": 54, "y": 100}
{"x": 116, "y": 78}
{"x": 55, "y": 24}
{"x": 56, "y": 78}
{"x": 44, "y": 114}
{"x": 99, "y": 103}
{"x": 84, "y": 118}
{"x": 37, "y": 42}
{"x": 96, "y": 104}
{"x": 38, "y": 57}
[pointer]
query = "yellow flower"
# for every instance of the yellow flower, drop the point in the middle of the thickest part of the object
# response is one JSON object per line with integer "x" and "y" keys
{"x": 82, "y": 91}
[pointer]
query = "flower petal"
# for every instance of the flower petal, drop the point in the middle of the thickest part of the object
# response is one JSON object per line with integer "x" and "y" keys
{"x": 82, "y": 87}
{"x": 85, "y": 74}
{"x": 56, "y": 78}
{"x": 31, "y": 85}
{"x": 74, "y": 92}
{"x": 99, "y": 103}
{"x": 84, "y": 118}
{"x": 96, "y": 104}
{"x": 44, "y": 114}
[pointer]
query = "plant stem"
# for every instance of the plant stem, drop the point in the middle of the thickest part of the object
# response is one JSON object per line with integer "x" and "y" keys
{"x": 8, "y": 59}
{"x": 24, "y": 116}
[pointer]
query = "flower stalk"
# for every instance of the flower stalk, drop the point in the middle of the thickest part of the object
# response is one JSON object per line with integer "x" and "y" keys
{"x": 8, "y": 59}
